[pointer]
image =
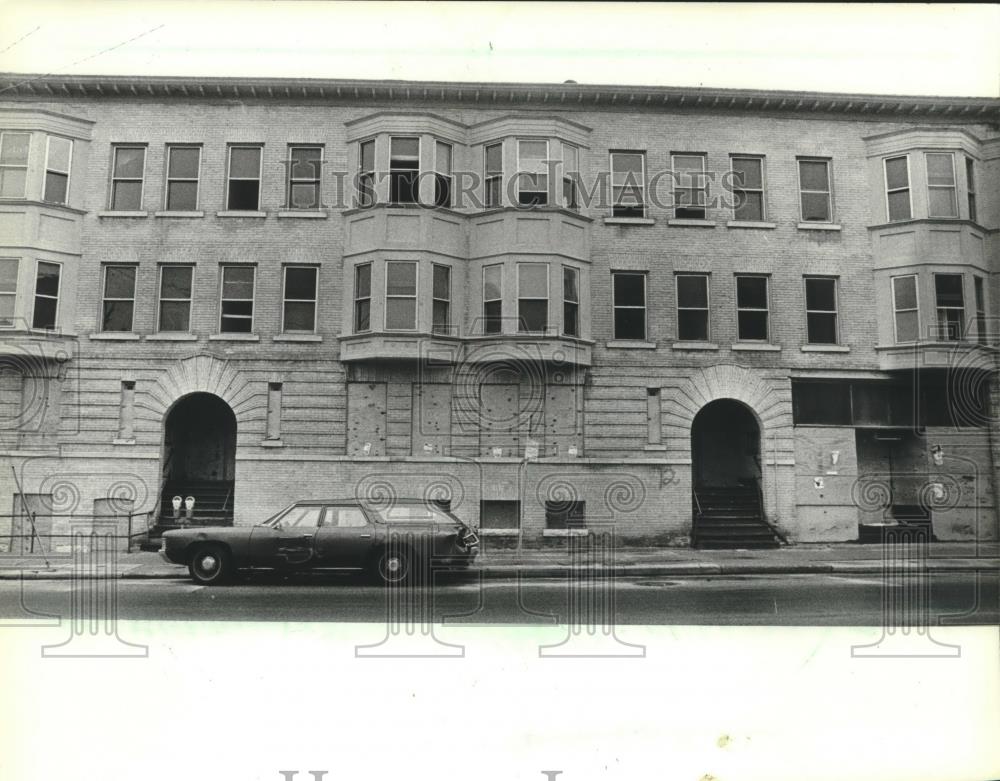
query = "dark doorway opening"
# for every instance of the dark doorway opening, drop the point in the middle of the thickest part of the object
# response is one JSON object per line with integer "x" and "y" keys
{"x": 199, "y": 460}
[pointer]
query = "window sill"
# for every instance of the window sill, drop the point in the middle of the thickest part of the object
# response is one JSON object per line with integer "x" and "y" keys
{"x": 499, "y": 532}
{"x": 818, "y": 226}
{"x": 630, "y": 344}
{"x": 250, "y": 214}
{"x": 304, "y": 214}
{"x": 234, "y": 338}
{"x": 684, "y": 222}
{"x": 297, "y": 338}
{"x": 565, "y": 532}
{"x": 123, "y": 214}
{"x": 758, "y": 348}
{"x": 629, "y": 221}
{"x": 114, "y": 336}
{"x": 178, "y": 337}
{"x": 655, "y": 448}
{"x": 825, "y": 348}
{"x": 117, "y": 441}
{"x": 271, "y": 443}
{"x": 694, "y": 346}
{"x": 751, "y": 224}
{"x": 179, "y": 214}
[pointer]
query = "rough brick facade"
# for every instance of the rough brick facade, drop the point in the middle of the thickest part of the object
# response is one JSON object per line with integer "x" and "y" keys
{"x": 339, "y": 410}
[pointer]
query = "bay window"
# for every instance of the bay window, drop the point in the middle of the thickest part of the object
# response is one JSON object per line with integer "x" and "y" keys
{"x": 400, "y": 295}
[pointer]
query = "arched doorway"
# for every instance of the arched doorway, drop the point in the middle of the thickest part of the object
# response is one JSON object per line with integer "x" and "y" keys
{"x": 199, "y": 458}
{"x": 726, "y": 478}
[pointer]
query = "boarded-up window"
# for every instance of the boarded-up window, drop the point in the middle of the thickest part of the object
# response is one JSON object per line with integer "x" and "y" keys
{"x": 11, "y": 383}
{"x": 366, "y": 418}
{"x": 499, "y": 407}
{"x": 431, "y": 419}
{"x": 499, "y": 514}
{"x": 126, "y": 411}
{"x": 563, "y": 428}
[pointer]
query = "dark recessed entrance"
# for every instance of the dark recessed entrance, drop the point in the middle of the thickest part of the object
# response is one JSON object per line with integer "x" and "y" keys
{"x": 199, "y": 459}
{"x": 725, "y": 477}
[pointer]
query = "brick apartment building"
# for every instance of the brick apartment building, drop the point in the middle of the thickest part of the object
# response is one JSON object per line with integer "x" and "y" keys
{"x": 560, "y": 307}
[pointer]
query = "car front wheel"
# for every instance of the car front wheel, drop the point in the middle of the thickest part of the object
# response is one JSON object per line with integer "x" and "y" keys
{"x": 210, "y": 565}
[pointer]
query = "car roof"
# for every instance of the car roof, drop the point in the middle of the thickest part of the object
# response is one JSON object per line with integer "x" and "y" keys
{"x": 397, "y": 500}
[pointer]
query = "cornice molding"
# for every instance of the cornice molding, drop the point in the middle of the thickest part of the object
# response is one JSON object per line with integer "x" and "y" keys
{"x": 566, "y": 95}
{"x": 30, "y": 119}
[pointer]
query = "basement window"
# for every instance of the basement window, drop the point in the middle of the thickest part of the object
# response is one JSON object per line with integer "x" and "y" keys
{"x": 565, "y": 515}
{"x": 499, "y": 514}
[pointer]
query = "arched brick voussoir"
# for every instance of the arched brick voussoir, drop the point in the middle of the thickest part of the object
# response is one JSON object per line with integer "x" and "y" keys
{"x": 203, "y": 374}
{"x": 767, "y": 397}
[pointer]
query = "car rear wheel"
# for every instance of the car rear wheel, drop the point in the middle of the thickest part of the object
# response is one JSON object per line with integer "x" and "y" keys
{"x": 210, "y": 565}
{"x": 395, "y": 566}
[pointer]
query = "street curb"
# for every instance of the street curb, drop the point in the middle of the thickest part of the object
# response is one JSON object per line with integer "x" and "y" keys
{"x": 530, "y": 572}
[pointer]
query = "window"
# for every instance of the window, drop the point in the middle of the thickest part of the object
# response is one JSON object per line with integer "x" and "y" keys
{"x": 362, "y": 298}
{"x": 897, "y": 188}
{"x": 175, "y": 298}
{"x": 237, "y": 300}
{"x": 441, "y": 304}
{"x": 243, "y": 191}
{"x": 400, "y": 295}
{"x": 970, "y": 186}
{"x": 689, "y": 186}
{"x": 183, "y": 168}
{"x": 14, "y": 164}
{"x": 692, "y": 307}
{"x": 748, "y": 188}
{"x": 532, "y": 297}
{"x": 118, "y": 308}
{"x": 950, "y": 306}
{"x": 299, "y": 300}
{"x": 303, "y": 518}
{"x": 629, "y": 304}
{"x": 492, "y": 299}
{"x": 499, "y": 514}
{"x": 814, "y": 191}
{"x": 305, "y": 163}
{"x": 821, "y": 310}
{"x": 654, "y": 417}
{"x": 442, "y": 176}
{"x": 57, "y": 161}
{"x": 980, "y": 293}
{"x": 404, "y": 170}
{"x": 128, "y": 170}
{"x": 571, "y": 171}
{"x": 751, "y": 309}
{"x": 46, "y": 295}
{"x": 941, "y": 185}
{"x": 628, "y": 184}
{"x": 904, "y": 305}
{"x": 366, "y": 177}
{"x": 571, "y": 301}
{"x": 345, "y": 517}
{"x": 8, "y": 291}
{"x": 272, "y": 420}
{"x": 822, "y": 403}
{"x": 494, "y": 174}
{"x": 565, "y": 515}
{"x": 532, "y": 173}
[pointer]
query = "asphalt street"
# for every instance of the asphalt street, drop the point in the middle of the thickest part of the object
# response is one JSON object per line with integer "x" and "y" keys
{"x": 783, "y": 600}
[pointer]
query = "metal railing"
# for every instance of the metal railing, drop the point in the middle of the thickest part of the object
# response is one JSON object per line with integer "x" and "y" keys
{"x": 20, "y": 539}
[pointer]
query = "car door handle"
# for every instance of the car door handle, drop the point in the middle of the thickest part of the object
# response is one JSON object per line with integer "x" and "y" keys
{"x": 364, "y": 535}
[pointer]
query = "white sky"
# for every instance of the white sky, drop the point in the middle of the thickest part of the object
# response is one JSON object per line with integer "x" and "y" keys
{"x": 905, "y": 49}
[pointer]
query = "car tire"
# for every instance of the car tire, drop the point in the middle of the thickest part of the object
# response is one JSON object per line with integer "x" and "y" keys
{"x": 210, "y": 565}
{"x": 395, "y": 566}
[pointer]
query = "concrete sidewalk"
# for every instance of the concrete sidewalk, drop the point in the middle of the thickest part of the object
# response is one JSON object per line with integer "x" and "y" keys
{"x": 841, "y": 558}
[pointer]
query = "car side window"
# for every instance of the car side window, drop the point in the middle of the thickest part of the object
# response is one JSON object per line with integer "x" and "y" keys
{"x": 345, "y": 517}
{"x": 302, "y": 518}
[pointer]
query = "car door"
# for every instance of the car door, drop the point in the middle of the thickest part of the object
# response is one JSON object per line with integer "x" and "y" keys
{"x": 289, "y": 542}
{"x": 345, "y": 539}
